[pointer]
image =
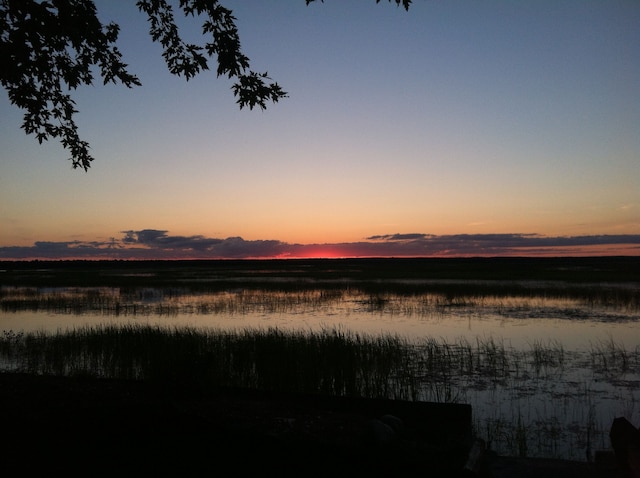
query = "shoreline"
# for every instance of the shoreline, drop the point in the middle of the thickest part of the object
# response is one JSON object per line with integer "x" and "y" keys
{"x": 116, "y": 426}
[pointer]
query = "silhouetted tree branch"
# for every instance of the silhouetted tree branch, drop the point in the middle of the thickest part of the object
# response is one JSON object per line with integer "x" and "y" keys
{"x": 48, "y": 48}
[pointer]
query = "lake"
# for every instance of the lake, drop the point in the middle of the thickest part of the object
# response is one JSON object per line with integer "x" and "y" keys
{"x": 559, "y": 337}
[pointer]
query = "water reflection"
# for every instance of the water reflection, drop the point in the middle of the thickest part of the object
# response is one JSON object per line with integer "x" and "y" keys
{"x": 575, "y": 322}
{"x": 570, "y": 364}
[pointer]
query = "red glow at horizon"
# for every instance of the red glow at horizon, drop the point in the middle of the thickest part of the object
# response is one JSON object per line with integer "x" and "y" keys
{"x": 320, "y": 252}
{"x": 331, "y": 251}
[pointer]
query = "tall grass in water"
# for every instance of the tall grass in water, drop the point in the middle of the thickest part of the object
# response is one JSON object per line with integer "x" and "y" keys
{"x": 509, "y": 389}
{"x": 376, "y": 297}
{"x": 331, "y": 361}
{"x": 612, "y": 358}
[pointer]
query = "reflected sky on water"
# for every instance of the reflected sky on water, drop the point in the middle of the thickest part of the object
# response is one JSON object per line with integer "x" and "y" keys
{"x": 560, "y": 404}
{"x": 518, "y": 321}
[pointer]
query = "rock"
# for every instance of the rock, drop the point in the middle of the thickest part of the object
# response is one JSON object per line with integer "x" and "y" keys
{"x": 394, "y": 422}
{"x": 380, "y": 434}
{"x": 625, "y": 440}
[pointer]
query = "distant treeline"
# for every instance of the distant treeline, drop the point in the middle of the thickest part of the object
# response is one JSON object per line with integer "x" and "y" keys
{"x": 314, "y": 271}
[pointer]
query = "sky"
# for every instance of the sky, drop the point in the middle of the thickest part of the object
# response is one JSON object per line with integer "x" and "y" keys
{"x": 458, "y": 128}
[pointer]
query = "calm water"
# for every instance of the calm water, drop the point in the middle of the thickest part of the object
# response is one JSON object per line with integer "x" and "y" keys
{"x": 562, "y": 409}
{"x": 518, "y": 321}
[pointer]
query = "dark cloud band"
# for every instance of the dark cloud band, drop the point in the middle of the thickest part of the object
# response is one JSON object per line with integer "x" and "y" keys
{"x": 158, "y": 244}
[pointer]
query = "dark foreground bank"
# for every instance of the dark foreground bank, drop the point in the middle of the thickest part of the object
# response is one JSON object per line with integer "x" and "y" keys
{"x": 118, "y": 427}
{"x": 103, "y": 427}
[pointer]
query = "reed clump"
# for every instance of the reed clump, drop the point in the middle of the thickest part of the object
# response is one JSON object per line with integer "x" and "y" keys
{"x": 612, "y": 358}
{"x": 338, "y": 362}
{"x": 375, "y": 297}
{"x": 331, "y": 361}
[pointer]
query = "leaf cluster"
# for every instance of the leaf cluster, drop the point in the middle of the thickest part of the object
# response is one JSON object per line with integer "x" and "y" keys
{"x": 48, "y": 48}
{"x": 184, "y": 59}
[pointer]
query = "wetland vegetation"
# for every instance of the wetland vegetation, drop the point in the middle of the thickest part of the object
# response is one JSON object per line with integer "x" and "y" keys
{"x": 298, "y": 326}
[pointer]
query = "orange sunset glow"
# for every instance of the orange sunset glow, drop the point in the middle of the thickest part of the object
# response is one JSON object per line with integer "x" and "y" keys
{"x": 453, "y": 129}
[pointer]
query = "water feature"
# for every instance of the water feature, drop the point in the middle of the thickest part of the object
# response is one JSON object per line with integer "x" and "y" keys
{"x": 553, "y": 363}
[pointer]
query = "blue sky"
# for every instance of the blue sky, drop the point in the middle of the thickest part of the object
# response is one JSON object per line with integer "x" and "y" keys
{"x": 457, "y": 119}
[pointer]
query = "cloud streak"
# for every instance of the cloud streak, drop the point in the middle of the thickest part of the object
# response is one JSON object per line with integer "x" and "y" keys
{"x": 159, "y": 244}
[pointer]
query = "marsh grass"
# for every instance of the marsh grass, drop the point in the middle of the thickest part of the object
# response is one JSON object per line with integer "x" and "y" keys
{"x": 399, "y": 297}
{"x": 540, "y": 400}
{"x": 520, "y": 405}
{"x": 612, "y": 358}
{"x": 547, "y": 356}
{"x": 334, "y": 361}
{"x": 164, "y": 302}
